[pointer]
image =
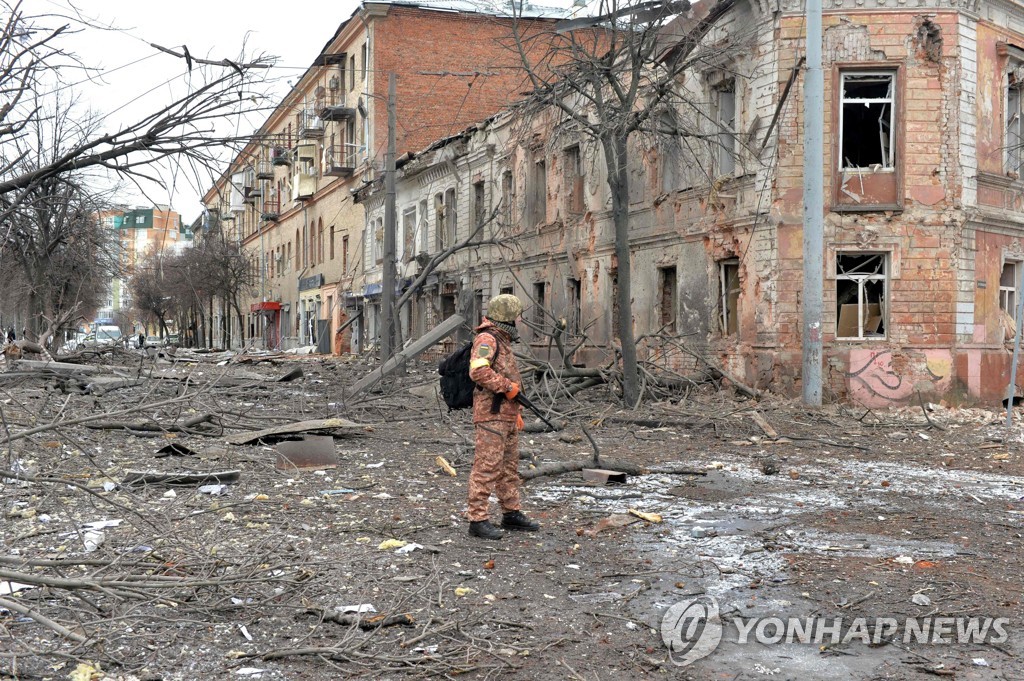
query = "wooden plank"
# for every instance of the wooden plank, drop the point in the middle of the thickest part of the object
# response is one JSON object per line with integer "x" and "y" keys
{"x": 278, "y": 433}
{"x": 59, "y": 367}
{"x": 763, "y": 425}
{"x": 415, "y": 349}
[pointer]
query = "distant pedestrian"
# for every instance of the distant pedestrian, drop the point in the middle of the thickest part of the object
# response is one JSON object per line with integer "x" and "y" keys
{"x": 10, "y": 335}
{"x": 142, "y": 340}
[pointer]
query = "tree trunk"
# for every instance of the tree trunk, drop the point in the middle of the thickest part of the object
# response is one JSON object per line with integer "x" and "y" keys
{"x": 616, "y": 152}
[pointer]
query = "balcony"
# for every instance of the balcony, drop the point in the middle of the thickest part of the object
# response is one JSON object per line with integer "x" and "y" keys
{"x": 253, "y": 193}
{"x": 264, "y": 170}
{"x": 330, "y": 106}
{"x": 310, "y": 125}
{"x": 340, "y": 160}
{"x": 306, "y": 151}
{"x": 281, "y": 156}
{"x": 271, "y": 209}
{"x": 303, "y": 186}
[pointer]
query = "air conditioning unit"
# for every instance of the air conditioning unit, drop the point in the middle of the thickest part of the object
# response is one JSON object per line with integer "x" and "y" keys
{"x": 334, "y": 83}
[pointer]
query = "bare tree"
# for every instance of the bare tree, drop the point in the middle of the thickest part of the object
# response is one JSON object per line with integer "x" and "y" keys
{"x": 613, "y": 78}
{"x": 54, "y": 254}
{"x": 46, "y": 154}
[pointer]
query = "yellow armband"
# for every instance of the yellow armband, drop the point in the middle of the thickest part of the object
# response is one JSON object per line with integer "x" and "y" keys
{"x": 479, "y": 362}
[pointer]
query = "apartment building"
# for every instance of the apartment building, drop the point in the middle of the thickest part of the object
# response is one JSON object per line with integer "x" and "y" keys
{"x": 287, "y": 196}
{"x": 141, "y": 232}
{"x": 923, "y": 221}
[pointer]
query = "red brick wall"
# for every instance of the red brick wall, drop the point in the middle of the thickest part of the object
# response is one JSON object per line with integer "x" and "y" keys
{"x": 409, "y": 41}
{"x": 923, "y": 236}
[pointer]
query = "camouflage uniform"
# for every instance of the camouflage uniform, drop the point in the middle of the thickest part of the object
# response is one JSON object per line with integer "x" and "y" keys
{"x": 496, "y": 459}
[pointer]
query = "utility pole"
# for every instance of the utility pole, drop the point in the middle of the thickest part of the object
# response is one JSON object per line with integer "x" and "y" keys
{"x": 387, "y": 297}
{"x": 814, "y": 241}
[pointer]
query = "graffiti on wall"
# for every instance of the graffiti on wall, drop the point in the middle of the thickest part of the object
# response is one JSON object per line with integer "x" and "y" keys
{"x": 877, "y": 378}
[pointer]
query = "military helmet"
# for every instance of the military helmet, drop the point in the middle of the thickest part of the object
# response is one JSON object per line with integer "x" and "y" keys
{"x": 504, "y": 308}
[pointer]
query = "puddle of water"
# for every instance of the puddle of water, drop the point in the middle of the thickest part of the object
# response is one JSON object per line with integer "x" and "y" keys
{"x": 735, "y": 505}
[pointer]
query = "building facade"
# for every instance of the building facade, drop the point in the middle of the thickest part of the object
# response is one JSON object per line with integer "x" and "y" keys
{"x": 923, "y": 219}
{"x": 142, "y": 233}
{"x": 288, "y": 196}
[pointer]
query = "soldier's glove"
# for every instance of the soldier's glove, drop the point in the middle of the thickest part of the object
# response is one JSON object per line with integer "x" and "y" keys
{"x": 520, "y": 423}
{"x": 512, "y": 392}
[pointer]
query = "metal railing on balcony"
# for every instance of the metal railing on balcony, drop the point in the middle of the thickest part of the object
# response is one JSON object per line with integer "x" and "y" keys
{"x": 271, "y": 209}
{"x": 341, "y": 160}
{"x": 310, "y": 125}
{"x": 331, "y": 105}
{"x": 264, "y": 170}
{"x": 281, "y": 156}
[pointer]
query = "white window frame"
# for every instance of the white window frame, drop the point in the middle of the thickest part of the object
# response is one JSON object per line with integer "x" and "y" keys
{"x": 1010, "y": 293}
{"x": 889, "y": 163}
{"x": 861, "y": 280}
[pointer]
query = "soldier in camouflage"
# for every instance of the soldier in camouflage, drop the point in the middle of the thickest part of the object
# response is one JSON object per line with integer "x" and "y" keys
{"x": 498, "y": 420}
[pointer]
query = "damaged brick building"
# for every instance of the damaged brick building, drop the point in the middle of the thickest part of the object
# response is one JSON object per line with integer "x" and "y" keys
{"x": 923, "y": 208}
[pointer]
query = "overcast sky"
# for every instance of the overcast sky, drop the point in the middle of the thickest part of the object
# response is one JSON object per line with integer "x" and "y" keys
{"x": 215, "y": 29}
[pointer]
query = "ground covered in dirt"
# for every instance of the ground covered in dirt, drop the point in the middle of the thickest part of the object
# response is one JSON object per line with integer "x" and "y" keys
{"x": 253, "y": 569}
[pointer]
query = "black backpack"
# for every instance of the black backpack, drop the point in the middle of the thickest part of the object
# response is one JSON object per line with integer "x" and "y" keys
{"x": 456, "y": 385}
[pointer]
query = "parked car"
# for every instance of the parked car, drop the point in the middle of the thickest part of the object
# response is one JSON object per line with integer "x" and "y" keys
{"x": 103, "y": 337}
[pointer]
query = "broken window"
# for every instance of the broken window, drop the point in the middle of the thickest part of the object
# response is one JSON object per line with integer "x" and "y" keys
{"x": 670, "y": 153}
{"x": 1014, "y": 123}
{"x": 408, "y": 233}
{"x": 729, "y": 286}
{"x": 539, "y": 191}
{"x": 539, "y": 303}
{"x": 378, "y": 241}
{"x": 447, "y": 306}
{"x": 667, "y": 299}
{"x": 507, "y": 197}
{"x": 574, "y": 293}
{"x": 439, "y": 231}
{"x": 506, "y": 290}
{"x": 861, "y": 280}
{"x": 422, "y": 230}
{"x": 573, "y": 180}
{"x": 1008, "y": 279}
{"x": 479, "y": 205}
{"x": 866, "y": 121}
{"x": 726, "y": 121}
{"x": 451, "y": 217}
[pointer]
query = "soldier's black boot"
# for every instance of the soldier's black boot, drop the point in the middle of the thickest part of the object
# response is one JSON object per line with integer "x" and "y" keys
{"x": 484, "y": 530}
{"x": 517, "y": 520}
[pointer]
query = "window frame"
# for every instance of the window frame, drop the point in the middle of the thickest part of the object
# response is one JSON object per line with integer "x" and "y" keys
{"x": 727, "y": 149}
{"x": 895, "y": 176}
{"x": 668, "y": 305}
{"x": 538, "y": 193}
{"x": 574, "y": 179}
{"x": 1013, "y": 156}
{"x": 888, "y": 165}
{"x": 885, "y": 277}
{"x": 1010, "y": 291}
{"x": 724, "y": 293}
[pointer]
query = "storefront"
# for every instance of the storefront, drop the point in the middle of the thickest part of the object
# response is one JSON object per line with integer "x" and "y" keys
{"x": 267, "y": 319}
